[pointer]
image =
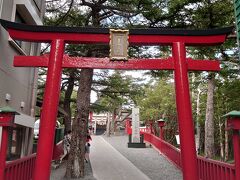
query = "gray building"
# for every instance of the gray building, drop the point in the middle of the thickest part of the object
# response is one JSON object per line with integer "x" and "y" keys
{"x": 18, "y": 85}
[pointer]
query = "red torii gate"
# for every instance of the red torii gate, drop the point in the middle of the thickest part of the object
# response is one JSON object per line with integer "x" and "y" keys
{"x": 58, "y": 36}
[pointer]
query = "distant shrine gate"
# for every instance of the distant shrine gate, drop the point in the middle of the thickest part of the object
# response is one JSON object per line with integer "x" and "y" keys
{"x": 58, "y": 36}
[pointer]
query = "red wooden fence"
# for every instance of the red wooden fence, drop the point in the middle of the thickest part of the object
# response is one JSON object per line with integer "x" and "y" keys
{"x": 20, "y": 169}
{"x": 208, "y": 169}
{"x": 168, "y": 150}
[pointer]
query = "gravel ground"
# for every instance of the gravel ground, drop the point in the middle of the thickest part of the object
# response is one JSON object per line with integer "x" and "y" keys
{"x": 58, "y": 173}
{"x": 148, "y": 160}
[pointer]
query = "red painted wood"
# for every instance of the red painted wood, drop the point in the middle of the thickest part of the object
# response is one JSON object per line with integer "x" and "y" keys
{"x": 3, "y": 151}
{"x": 168, "y": 40}
{"x": 7, "y": 119}
{"x": 184, "y": 112}
{"x": 67, "y": 37}
{"x": 105, "y": 63}
{"x": 171, "y": 152}
{"x": 203, "y": 65}
{"x": 20, "y": 169}
{"x": 96, "y": 63}
{"x": 234, "y": 123}
{"x": 236, "y": 149}
{"x": 104, "y": 38}
{"x": 212, "y": 169}
{"x": 49, "y": 112}
{"x": 58, "y": 151}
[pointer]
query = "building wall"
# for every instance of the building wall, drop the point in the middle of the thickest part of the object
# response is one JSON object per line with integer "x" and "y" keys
{"x": 40, "y": 6}
{"x": 18, "y": 82}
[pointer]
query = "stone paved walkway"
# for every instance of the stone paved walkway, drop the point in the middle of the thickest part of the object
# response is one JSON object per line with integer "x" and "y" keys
{"x": 109, "y": 164}
{"x": 112, "y": 160}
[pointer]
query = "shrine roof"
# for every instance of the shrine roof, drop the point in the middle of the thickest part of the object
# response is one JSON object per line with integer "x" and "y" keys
{"x": 232, "y": 114}
{"x": 7, "y": 109}
{"x": 90, "y": 30}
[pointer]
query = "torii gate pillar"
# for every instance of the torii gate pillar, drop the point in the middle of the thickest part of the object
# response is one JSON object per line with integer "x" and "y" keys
{"x": 49, "y": 111}
{"x": 184, "y": 111}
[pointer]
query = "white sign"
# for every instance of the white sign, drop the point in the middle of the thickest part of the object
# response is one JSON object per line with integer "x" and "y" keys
{"x": 135, "y": 126}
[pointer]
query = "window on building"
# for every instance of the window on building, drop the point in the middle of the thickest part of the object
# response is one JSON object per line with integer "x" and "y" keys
{"x": 19, "y": 19}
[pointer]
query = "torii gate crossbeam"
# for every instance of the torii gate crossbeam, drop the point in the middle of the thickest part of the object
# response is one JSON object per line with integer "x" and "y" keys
{"x": 106, "y": 63}
{"x": 58, "y": 36}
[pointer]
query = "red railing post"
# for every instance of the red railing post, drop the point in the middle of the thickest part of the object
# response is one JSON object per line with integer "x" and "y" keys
{"x": 236, "y": 149}
{"x": 49, "y": 111}
{"x": 3, "y": 151}
{"x": 186, "y": 126}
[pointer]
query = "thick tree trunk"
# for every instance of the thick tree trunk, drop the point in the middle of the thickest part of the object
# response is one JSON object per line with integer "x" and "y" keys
{"x": 75, "y": 164}
{"x": 209, "y": 123}
{"x": 67, "y": 101}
